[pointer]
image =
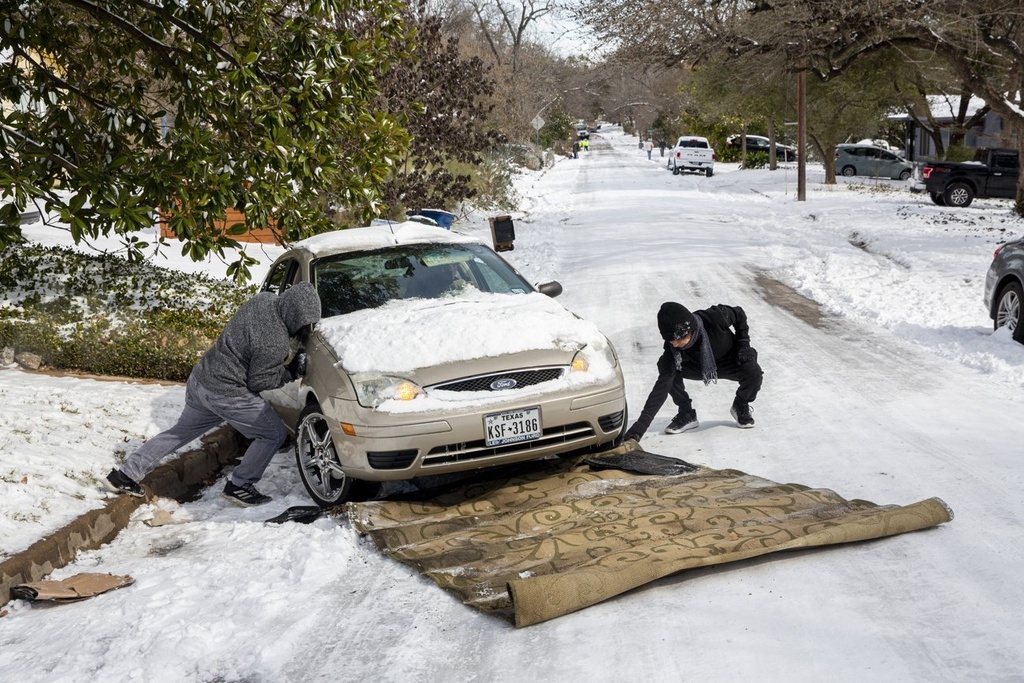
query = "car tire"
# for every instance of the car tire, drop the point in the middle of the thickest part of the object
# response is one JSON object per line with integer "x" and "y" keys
{"x": 937, "y": 198}
{"x": 1008, "y": 310}
{"x": 708, "y": 172}
{"x": 317, "y": 459}
{"x": 675, "y": 170}
{"x": 904, "y": 174}
{"x": 849, "y": 171}
{"x": 958, "y": 194}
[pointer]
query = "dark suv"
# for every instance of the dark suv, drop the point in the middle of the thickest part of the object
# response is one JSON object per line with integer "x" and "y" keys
{"x": 759, "y": 143}
{"x": 1004, "y": 288}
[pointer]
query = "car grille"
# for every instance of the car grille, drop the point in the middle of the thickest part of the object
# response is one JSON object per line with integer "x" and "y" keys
{"x": 522, "y": 378}
{"x": 567, "y": 435}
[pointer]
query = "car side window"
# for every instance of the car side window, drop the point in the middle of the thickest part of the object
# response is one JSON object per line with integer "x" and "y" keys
{"x": 1004, "y": 161}
{"x": 282, "y": 276}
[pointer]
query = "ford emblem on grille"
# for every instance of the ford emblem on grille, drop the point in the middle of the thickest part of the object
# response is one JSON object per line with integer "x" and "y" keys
{"x": 503, "y": 383}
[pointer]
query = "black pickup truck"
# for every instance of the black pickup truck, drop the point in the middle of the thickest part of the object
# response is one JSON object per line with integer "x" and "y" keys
{"x": 993, "y": 173}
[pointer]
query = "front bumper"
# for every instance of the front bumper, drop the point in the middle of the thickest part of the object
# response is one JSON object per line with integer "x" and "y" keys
{"x": 403, "y": 446}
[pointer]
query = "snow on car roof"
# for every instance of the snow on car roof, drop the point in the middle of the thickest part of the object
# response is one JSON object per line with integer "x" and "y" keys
{"x": 378, "y": 236}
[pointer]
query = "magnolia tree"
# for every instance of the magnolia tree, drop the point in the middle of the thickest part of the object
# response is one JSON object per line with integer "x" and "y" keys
{"x": 112, "y": 112}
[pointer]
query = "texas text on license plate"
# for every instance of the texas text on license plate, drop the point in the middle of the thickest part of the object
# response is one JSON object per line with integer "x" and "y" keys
{"x": 512, "y": 426}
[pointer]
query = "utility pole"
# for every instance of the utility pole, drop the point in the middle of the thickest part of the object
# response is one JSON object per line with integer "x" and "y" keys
{"x": 801, "y": 136}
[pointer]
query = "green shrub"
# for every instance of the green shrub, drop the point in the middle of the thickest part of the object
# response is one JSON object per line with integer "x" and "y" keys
{"x": 104, "y": 315}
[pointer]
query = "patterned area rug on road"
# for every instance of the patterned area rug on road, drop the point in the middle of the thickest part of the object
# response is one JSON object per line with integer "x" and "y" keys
{"x": 555, "y": 537}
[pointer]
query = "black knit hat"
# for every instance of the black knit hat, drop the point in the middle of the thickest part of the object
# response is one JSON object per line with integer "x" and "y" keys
{"x": 675, "y": 322}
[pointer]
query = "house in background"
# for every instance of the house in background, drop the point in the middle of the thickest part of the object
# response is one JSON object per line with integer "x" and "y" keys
{"x": 984, "y": 128}
{"x": 262, "y": 235}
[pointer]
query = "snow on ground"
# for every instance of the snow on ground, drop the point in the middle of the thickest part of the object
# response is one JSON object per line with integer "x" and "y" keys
{"x": 900, "y": 393}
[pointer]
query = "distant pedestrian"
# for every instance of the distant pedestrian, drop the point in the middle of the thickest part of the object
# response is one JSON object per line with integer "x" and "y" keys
{"x": 650, "y": 147}
{"x": 662, "y": 146}
{"x": 575, "y": 149}
{"x": 250, "y": 356}
{"x": 700, "y": 346}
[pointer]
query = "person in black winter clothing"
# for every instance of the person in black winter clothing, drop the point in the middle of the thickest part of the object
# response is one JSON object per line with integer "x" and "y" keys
{"x": 700, "y": 346}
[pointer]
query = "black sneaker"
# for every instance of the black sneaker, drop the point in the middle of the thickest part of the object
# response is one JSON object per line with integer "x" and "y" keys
{"x": 118, "y": 482}
{"x": 742, "y": 414}
{"x": 246, "y": 495}
{"x": 683, "y": 422}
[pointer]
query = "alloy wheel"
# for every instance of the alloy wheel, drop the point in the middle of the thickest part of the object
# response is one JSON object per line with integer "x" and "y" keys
{"x": 319, "y": 467}
{"x": 1008, "y": 312}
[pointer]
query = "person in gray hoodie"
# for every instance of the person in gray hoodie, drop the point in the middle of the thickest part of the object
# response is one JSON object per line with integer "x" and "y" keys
{"x": 251, "y": 355}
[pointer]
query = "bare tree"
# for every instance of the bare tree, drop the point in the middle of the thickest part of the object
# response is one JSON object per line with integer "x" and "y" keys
{"x": 982, "y": 41}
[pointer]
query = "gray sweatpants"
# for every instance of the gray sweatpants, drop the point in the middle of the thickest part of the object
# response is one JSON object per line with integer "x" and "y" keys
{"x": 250, "y": 415}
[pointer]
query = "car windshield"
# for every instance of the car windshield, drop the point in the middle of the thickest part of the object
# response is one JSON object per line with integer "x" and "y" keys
{"x": 366, "y": 279}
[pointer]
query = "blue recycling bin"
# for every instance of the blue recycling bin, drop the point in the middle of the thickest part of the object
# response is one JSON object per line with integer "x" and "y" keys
{"x": 441, "y": 217}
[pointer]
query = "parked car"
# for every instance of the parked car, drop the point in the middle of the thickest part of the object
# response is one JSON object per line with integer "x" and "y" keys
{"x": 1004, "y": 288}
{"x": 867, "y": 160}
{"x": 759, "y": 143}
{"x": 692, "y": 153}
{"x": 993, "y": 173}
{"x": 434, "y": 355}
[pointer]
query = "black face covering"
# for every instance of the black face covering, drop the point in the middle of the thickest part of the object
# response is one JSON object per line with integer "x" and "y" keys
{"x": 694, "y": 336}
{"x": 708, "y": 367}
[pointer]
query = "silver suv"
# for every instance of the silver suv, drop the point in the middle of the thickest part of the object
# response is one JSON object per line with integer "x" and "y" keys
{"x": 1004, "y": 288}
{"x": 871, "y": 161}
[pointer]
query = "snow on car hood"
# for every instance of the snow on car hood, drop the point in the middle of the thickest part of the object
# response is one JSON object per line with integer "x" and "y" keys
{"x": 403, "y": 335}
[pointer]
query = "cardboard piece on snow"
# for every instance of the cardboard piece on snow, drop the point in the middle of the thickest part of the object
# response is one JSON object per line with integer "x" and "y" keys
{"x": 71, "y": 589}
{"x": 161, "y": 518}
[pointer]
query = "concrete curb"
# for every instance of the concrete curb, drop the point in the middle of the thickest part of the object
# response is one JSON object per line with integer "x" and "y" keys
{"x": 180, "y": 479}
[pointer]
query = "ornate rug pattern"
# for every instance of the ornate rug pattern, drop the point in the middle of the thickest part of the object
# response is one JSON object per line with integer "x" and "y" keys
{"x": 555, "y": 537}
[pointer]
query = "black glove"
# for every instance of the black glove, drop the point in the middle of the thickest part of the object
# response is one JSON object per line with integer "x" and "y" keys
{"x": 297, "y": 366}
{"x": 630, "y": 435}
{"x": 745, "y": 355}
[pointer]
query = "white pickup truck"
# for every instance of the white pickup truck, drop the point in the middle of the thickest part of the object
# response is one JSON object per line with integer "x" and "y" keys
{"x": 692, "y": 153}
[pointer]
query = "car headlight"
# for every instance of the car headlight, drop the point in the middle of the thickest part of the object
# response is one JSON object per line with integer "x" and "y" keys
{"x": 598, "y": 358}
{"x": 372, "y": 390}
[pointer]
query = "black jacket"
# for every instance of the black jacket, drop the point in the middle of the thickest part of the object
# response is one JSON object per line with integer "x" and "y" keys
{"x": 724, "y": 343}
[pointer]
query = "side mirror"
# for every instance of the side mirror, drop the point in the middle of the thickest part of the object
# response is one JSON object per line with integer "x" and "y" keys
{"x": 552, "y": 289}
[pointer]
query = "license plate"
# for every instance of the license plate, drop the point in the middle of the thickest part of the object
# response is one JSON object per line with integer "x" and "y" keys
{"x": 512, "y": 426}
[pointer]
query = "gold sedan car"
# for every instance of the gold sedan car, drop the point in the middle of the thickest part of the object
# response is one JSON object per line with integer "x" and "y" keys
{"x": 433, "y": 356}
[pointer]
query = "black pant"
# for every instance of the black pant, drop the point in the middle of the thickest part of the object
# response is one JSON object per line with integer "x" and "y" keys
{"x": 749, "y": 375}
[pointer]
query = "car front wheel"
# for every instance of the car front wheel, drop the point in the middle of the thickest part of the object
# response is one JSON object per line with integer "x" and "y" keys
{"x": 1008, "y": 311}
{"x": 958, "y": 194}
{"x": 904, "y": 174}
{"x": 849, "y": 171}
{"x": 317, "y": 458}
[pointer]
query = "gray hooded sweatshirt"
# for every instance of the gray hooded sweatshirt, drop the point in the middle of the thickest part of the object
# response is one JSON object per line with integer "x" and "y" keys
{"x": 250, "y": 354}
